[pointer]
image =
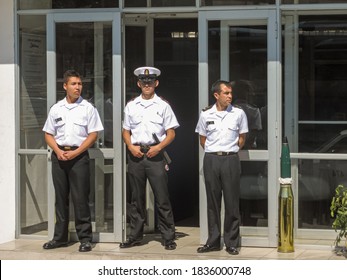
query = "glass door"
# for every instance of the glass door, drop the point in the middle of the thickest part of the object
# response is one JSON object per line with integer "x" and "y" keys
{"x": 315, "y": 118}
{"x": 90, "y": 44}
{"x": 242, "y": 47}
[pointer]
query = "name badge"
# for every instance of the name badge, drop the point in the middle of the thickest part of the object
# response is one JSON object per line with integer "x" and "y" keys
{"x": 58, "y": 120}
{"x": 209, "y": 122}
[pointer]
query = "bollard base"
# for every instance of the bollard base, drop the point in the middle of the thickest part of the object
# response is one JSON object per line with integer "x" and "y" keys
{"x": 285, "y": 219}
{"x": 285, "y": 250}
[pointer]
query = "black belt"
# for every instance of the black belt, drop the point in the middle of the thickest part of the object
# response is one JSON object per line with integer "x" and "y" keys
{"x": 140, "y": 144}
{"x": 68, "y": 148}
{"x": 144, "y": 147}
{"x": 222, "y": 153}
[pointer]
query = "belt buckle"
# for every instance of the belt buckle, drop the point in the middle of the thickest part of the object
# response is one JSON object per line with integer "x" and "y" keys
{"x": 144, "y": 148}
{"x": 219, "y": 153}
{"x": 67, "y": 148}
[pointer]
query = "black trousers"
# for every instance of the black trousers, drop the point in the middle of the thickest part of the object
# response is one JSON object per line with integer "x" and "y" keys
{"x": 222, "y": 177}
{"x": 72, "y": 176}
{"x": 139, "y": 170}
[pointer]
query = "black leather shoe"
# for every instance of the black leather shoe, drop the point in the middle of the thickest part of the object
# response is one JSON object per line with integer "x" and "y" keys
{"x": 207, "y": 248}
{"x": 85, "y": 247}
{"x": 232, "y": 250}
{"x": 129, "y": 243}
{"x": 170, "y": 245}
{"x": 53, "y": 244}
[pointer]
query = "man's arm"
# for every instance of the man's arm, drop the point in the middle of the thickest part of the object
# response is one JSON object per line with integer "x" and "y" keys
{"x": 86, "y": 144}
{"x": 49, "y": 138}
{"x": 242, "y": 140}
{"x": 135, "y": 150}
{"x": 202, "y": 141}
{"x": 154, "y": 150}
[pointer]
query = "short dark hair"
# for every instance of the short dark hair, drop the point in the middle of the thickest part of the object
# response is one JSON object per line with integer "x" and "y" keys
{"x": 70, "y": 73}
{"x": 216, "y": 85}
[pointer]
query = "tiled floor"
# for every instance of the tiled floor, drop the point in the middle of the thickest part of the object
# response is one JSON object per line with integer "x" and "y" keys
{"x": 24, "y": 249}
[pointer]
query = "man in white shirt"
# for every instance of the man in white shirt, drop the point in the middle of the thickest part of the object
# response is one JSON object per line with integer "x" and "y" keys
{"x": 222, "y": 130}
{"x": 144, "y": 116}
{"x": 71, "y": 128}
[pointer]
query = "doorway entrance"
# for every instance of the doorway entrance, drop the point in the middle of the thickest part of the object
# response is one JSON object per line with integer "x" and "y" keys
{"x": 171, "y": 44}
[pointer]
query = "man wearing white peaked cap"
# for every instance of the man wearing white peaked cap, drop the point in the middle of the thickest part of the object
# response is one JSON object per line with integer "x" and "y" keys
{"x": 149, "y": 126}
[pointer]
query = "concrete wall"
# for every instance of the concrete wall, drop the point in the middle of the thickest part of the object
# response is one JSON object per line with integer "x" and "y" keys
{"x": 7, "y": 122}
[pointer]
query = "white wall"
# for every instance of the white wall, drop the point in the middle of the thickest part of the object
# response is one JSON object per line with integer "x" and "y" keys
{"x": 7, "y": 122}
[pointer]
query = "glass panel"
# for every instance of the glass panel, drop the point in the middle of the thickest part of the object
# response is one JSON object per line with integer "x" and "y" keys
{"x": 317, "y": 182}
{"x": 323, "y": 138}
{"x": 135, "y": 3}
{"x": 176, "y": 55}
{"x": 236, "y": 2}
{"x": 87, "y": 48}
{"x": 248, "y": 70}
{"x": 322, "y": 67}
{"x": 312, "y": 1}
{"x": 34, "y": 4}
{"x": 101, "y": 196}
{"x": 62, "y": 4}
{"x": 135, "y": 56}
{"x": 33, "y": 195}
{"x": 33, "y": 81}
{"x": 172, "y": 3}
{"x": 253, "y": 194}
{"x": 158, "y": 3}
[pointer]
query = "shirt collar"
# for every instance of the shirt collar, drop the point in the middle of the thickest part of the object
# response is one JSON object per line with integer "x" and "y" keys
{"x": 214, "y": 109}
{"x": 72, "y": 105}
{"x": 140, "y": 100}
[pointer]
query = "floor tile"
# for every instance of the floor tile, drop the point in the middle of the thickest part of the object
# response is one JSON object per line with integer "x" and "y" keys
{"x": 188, "y": 240}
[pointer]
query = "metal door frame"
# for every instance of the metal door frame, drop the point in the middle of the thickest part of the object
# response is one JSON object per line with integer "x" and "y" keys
{"x": 117, "y": 152}
{"x": 256, "y": 236}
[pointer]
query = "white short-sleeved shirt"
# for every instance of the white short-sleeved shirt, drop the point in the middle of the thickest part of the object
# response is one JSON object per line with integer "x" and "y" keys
{"x": 143, "y": 117}
{"x": 222, "y": 128}
{"x": 70, "y": 123}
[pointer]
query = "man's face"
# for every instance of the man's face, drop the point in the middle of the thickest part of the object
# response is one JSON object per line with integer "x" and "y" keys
{"x": 224, "y": 97}
{"x": 147, "y": 85}
{"x": 73, "y": 88}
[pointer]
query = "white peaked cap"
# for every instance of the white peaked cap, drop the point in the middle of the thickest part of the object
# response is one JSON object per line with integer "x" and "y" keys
{"x": 147, "y": 71}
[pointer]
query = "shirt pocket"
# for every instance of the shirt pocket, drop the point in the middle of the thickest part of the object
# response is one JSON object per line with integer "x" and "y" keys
{"x": 80, "y": 126}
{"x": 233, "y": 130}
{"x": 211, "y": 129}
{"x": 135, "y": 120}
{"x": 59, "y": 126}
{"x": 156, "y": 119}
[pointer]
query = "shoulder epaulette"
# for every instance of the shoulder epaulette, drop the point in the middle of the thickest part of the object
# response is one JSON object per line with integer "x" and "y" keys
{"x": 207, "y": 108}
